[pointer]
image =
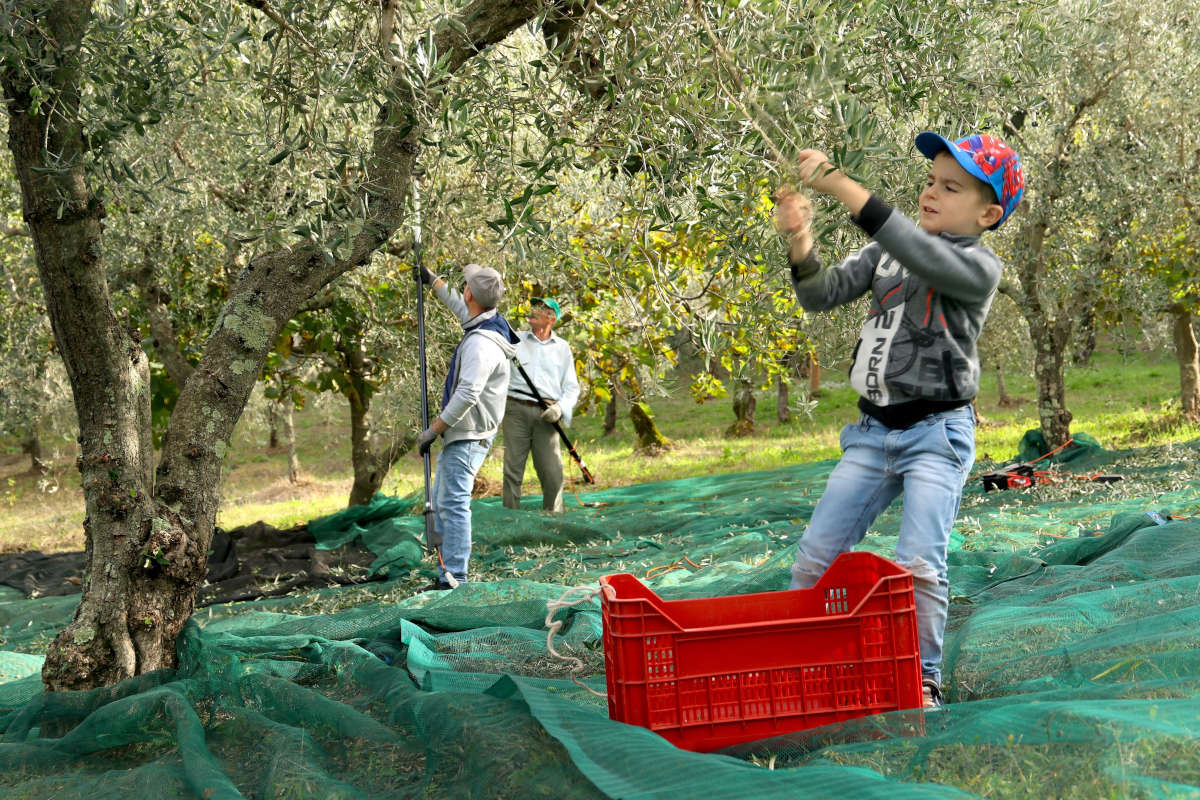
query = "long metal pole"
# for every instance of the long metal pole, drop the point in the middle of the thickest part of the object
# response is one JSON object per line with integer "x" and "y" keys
{"x": 433, "y": 540}
{"x": 587, "y": 473}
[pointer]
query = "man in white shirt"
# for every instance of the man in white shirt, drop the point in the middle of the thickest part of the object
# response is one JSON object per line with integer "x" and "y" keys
{"x": 548, "y": 362}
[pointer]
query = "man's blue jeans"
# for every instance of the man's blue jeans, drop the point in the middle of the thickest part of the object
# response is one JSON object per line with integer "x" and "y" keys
{"x": 457, "y": 465}
{"x": 928, "y": 462}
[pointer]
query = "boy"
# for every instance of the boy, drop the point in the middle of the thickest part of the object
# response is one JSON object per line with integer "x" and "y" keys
{"x": 915, "y": 366}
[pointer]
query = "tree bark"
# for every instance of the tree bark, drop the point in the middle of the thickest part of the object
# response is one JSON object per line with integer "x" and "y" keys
{"x": 744, "y": 404}
{"x": 370, "y": 467}
{"x": 1048, "y": 334}
{"x": 1004, "y": 401}
{"x": 782, "y": 412}
{"x": 162, "y": 329}
{"x": 1085, "y": 338}
{"x": 1188, "y": 355}
{"x": 289, "y": 439}
{"x": 32, "y": 445}
{"x": 119, "y": 629}
{"x": 148, "y": 531}
{"x": 274, "y": 420}
{"x": 610, "y": 415}
{"x": 814, "y": 375}
{"x": 1049, "y": 345}
{"x": 650, "y": 439}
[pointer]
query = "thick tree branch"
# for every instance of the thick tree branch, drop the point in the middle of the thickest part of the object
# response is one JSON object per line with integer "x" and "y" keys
{"x": 275, "y": 285}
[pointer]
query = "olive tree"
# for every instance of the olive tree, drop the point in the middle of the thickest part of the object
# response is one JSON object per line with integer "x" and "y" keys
{"x": 1086, "y": 178}
{"x": 73, "y": 81}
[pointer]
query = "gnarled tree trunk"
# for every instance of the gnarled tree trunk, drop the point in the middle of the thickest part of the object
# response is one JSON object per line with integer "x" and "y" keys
{"x": 31, "y": 444}
{"x": 744, "y": 403}
{"x": 371, "y": 463}
{"x": 650, "y": 439}
{"x": 1004, "y": 401}
{"x": 610, "y": 415}
{"x": 1186, "y": 353}
{"x": 148, "y": 531}
{"x": 288, "y": 415}
{"x": 1049, "y": 347}
{"x": 783, "y": 412}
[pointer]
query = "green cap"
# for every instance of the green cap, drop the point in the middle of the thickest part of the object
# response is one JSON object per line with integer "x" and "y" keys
{"x": 549, "y": 303}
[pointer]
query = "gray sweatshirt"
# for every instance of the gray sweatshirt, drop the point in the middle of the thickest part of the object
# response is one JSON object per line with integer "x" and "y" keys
{"x": 477, "y": 385}
{"x": 930, "y": 296}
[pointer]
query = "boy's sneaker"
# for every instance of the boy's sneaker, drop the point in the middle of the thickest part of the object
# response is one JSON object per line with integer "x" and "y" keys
{"x": 931, "y": 693}
{"x": 436, "y": 586}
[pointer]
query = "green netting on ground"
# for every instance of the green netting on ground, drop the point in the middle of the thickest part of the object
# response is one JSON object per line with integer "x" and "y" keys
{"x": 1073, "y": 659}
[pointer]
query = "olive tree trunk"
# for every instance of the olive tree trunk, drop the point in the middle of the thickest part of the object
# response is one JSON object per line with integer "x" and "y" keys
{"x": 371, "y": 460}
{"x": 288, "y": 417}
{"x": 281, "y": 422}
{"x": 1049, "y": 347}
{"x": 31, "y": 445}
{"x": 610, "y": 413}
{"x": 1004, "y": 400}
{"x": 649, "y": 437}
{"x": 148, "y": 530}
{"x": 744, "y": 404}
{"x": 1188, "y": 356}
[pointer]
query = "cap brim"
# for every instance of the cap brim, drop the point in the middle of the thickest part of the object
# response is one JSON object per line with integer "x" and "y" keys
{"x": 534, "y": 301}
{"x": 930, "y": 144}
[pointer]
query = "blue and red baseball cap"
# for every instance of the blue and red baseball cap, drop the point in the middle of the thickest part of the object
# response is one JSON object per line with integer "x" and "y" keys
{"x": 987, "y": 158}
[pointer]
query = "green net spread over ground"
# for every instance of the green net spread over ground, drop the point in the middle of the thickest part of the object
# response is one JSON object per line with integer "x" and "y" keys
{"x": 1073, "y": 659}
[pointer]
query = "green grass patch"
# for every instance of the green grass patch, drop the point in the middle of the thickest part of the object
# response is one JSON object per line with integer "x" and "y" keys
{"x": 1124, "y": 401}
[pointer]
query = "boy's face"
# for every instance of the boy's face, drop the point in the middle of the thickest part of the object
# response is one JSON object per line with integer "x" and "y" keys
{"x": 954, "y": 201}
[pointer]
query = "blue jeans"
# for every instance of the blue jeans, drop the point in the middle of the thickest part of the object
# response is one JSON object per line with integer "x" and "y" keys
{"x": 457, "y": 465}
{"x": 929, "y": 462}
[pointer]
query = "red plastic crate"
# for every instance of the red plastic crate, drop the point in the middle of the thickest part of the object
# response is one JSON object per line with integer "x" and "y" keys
{"x": 711, "y": 672}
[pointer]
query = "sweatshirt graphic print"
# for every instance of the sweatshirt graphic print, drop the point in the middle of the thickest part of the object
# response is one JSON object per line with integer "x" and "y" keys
{"x": 929, "y": 298}
{"x": 910, "y": 351}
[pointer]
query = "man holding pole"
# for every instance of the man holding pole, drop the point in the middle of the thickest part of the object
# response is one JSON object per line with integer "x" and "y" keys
{"x": 534, "y": 413}
{"x": 472, "y": 407}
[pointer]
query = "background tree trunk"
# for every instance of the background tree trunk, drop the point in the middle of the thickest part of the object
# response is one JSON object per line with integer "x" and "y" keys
{"x": 1049, "y": 345}
{"x": 1085, "y": 338}
{"x": 1188, "y": 356}
{"x": 369, "y": 468}
{"x": 32, "y": 444}
{"x": 782, "y": 412}
{"x": 274, "y": 420}
{"x": 1004, "y": 400}
{"x": 744, "y": 403}
{"x": 814, "y": 375}
{"x": 289, "y": 441}
{"x": 610, "y": 414}
{"x": 650, "y": 439}
{"x": 148, "y": 531}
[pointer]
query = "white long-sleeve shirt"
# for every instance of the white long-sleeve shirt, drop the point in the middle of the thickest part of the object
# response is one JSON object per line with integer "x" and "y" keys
{"x": 551, "y": 367}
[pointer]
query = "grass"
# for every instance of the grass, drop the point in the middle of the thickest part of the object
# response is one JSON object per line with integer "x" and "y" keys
{"x": 1124, "y": 401}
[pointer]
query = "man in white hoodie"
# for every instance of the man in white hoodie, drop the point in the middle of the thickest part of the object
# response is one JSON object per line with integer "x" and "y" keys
{"x": 472, "y": 407}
